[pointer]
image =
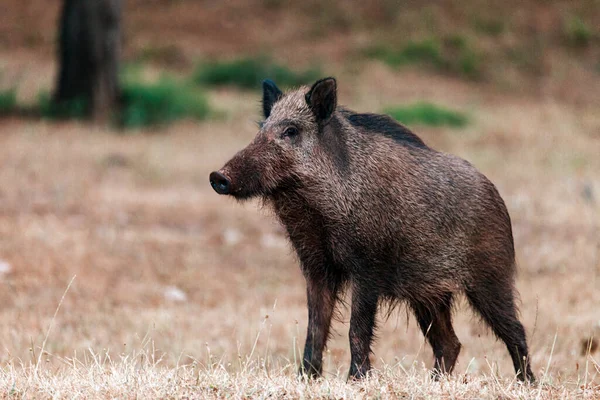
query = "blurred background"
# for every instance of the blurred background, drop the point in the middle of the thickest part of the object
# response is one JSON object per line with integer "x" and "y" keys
{"x": 112, "y": 115}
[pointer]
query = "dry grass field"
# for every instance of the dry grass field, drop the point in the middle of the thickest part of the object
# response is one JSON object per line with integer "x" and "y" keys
{"x": 124, "y": 275}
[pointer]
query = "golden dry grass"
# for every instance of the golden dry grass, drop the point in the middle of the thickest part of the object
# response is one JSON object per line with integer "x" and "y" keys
{"x": 137, "y": 376}
{"x": 165, "y": 269}
{"x": 173, "y": 284}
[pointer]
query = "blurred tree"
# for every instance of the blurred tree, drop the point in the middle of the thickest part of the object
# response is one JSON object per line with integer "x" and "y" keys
{"x": 89, "y": 50}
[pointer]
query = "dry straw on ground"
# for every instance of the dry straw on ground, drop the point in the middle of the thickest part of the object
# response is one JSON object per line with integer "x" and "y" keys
{"x": 141, "y": 374}
{"x": 168, "y": 273}
{"x": 159, "y": 256}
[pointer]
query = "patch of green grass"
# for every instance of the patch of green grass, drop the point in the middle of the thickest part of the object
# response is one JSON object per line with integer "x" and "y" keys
{"x": 248, "y": 73}
{"x": 461, "y": 58}
{"x": 427, "y": 114}
{"x": 454, "y": 54}
{"x": 425, "y": 51}
{"x": 160, "y": 103}
{"x": 141, "y": 104}
{"x": 8, "y": 101}
{"x": 576, "y": 32}
{"x": 71, "y": 109}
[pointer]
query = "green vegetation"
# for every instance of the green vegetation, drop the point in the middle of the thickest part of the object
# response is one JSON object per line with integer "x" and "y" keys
{"x": 425, "y": 51}
{"x": 248, "y": 73}
{"x": 427, "y": 114}
{"x": 72, "y": 109}
{"x": 142, "y": 104}
{"x": 461, "y": 58}
{"x": 577, "y": 32}
{"x": 454, "y": 54}
{"x": 160, "y": 103}
{"x": 8, "y": 101}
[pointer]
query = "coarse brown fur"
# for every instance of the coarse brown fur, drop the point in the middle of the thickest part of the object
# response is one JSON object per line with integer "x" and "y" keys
{"x": 368, "y": 206}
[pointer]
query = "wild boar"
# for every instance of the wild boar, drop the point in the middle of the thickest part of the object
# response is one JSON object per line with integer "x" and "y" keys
{"x": 369, "y": 207}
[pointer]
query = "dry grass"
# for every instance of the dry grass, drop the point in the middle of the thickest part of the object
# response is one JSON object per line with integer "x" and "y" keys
{"x": 141, "y": 375}
{"x": 173, "y": 283}
{"x": 160, "y": 259}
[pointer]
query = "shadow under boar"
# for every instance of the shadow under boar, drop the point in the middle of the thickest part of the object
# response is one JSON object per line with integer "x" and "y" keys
{"x": 367, "y": 205}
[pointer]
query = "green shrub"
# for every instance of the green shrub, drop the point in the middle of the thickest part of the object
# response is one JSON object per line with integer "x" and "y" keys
{"x": 160, "y": 103}
{"x": 468, "y": 64}
{"x": 460, "y": 57}
{"x": 8, "y": 101}
{"x": 453, "y": 54}
{"x": 427, "y": 114}
{"x": 142, "y": 104}
{"x": 426, "y": 51}
{"x": 70, "y": 109}
{"x": 248, "y": 73}
{"x": 577, "y": 32}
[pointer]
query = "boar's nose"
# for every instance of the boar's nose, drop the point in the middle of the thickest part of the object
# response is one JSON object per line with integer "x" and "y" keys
{"x": 220, "y": 182}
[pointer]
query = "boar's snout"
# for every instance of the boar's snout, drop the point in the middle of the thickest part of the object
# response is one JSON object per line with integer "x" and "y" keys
{"x": 220, "y": 183}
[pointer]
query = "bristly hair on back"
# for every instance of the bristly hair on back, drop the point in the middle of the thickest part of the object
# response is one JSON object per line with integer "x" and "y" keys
{"x": 384, "y": 125}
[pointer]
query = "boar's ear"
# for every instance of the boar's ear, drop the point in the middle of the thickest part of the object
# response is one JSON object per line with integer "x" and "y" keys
{"x": 322, "y": 98}
{"x": 271, "y": 94}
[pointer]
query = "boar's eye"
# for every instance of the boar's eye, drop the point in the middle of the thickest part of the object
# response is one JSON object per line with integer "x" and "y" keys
{"x": 290, "y": 132}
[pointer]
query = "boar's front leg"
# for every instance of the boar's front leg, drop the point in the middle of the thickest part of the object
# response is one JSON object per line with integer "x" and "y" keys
{"x": 362, "y": 327}
{"x": 321, "y": 295}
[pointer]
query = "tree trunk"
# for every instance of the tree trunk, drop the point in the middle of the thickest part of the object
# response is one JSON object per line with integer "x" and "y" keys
{"x": 89, "y": 51}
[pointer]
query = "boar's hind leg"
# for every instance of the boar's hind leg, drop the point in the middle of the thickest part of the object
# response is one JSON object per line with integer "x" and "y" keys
{"x": 436, "y": 324}
{"x": 496, "y": 304}
{"x": 362, "y": 327}
{"x": 321, "y": 297}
